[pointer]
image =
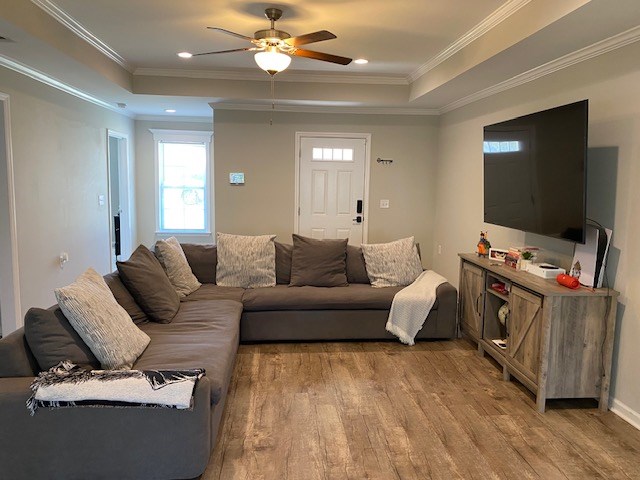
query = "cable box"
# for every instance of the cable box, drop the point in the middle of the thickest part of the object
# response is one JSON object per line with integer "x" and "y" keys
{"x": 545, "y": 270}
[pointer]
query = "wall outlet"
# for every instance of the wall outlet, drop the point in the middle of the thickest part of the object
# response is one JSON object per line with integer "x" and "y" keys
{"x": 101, "y": 200}
{"x": 384, "y": 203}
{"x": 439, "y": 249}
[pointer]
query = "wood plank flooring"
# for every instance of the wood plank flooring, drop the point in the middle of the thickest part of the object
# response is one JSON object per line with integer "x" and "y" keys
{"x": 385, "y": 411}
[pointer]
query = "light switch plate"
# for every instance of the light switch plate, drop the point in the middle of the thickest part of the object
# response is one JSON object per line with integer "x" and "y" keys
{"x": 100, "y": 200}
{"x": 384, "y": 203}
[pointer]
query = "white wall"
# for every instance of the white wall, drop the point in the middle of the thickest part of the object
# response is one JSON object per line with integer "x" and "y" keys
{"x": 60, "y": 165}
{"x": 612, "y": 84}
{"x": 245, "y": 142}
{"x": 145, "y": 179}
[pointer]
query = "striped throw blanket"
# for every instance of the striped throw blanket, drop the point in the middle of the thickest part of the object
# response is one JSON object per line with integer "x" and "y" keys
{"x": 67, "y": 385}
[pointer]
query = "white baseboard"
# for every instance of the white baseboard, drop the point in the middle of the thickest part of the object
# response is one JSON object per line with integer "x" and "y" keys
{"x": 627, "y": 414}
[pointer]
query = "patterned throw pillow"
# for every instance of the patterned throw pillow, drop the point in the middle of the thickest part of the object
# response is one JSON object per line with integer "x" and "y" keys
{"x": 101, "y": 322}
{"x": 246, "y": 261}
{"x": 393, "y": 264}
{"x": 174, "y": 262}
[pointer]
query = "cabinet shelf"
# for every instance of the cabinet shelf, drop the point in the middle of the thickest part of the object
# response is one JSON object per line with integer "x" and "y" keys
{"x": 560, "y": 341}
{"x": 498, "y": 294}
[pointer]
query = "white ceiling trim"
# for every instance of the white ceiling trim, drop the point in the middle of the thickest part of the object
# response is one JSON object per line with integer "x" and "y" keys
{"x": 170, "y": 118}
{"x": 76, "y": 27}
{"x": 55, "y": 83}
{"x": 497, "y": 17}
{"x": 599, "y": 48}
{"x": 327, "y": 109}
{"x": 259, "y": 75}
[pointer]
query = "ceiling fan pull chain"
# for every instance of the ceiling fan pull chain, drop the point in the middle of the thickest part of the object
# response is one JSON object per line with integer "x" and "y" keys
{"x": 273, "y": 99}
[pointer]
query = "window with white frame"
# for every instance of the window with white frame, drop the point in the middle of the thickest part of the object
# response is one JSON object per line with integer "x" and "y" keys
{"x": 183, "y": 181}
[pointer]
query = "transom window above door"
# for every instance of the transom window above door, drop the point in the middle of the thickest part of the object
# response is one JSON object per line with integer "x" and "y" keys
{"x": 324, "y": 154}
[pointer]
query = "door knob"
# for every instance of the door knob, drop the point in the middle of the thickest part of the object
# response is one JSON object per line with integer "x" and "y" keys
{"x": 358, "y": 219}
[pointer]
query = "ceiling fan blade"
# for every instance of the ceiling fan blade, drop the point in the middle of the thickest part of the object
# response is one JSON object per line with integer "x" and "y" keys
{"x": 248, "y": 49}
{"x": 310, "y": 38}
{"x": 229, "y": 32}
{"x": 325, "y": 57}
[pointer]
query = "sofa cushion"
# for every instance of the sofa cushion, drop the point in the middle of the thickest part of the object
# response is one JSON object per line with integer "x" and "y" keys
{"x": 209, "y": 291}
{"x": 356, "y": 268}
{"x": 144, "y": 277}
{"x": 52, "y": 339}
{"x": 173, "y": 260}
{"x": 124, "y": 298}
{"x": 392, "y": 264}
{"x": 283, "y": 263}
{"x": 204, "y": 334}
{"x": 318, "y": 263}
{"x": 203, "y": 259}
{"x": 246, "y": 261}
{"x": 352, "y": 297}
{"x": 100, "y": 321}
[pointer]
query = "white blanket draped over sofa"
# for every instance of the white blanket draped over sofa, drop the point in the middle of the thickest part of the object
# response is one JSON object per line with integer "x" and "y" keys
{"x": 412, "y": 305}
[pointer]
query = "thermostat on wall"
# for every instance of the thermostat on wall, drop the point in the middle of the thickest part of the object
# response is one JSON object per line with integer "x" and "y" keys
{"x": 236, "y": 178}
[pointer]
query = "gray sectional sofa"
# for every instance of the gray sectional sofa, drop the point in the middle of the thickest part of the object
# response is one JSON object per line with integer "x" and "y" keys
{"x": 136, "y": 443}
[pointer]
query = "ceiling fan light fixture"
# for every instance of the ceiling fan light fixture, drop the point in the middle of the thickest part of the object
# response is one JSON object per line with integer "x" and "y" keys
{"x": 361, "y": 61}
{"x": 272, "y": 61}
{"x": 185, "y": 55}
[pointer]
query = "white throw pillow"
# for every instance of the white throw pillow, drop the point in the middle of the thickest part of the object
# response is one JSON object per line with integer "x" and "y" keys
{"x": 393, "y": 264}
{"x": 174, "y": 262}
{"x": 101, "y": 322}
{"x": 246, "y": 261}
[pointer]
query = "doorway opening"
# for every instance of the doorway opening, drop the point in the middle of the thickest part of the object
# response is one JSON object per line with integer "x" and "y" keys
{"x": 120, "y": 229}
{"x": 10, "y": 309}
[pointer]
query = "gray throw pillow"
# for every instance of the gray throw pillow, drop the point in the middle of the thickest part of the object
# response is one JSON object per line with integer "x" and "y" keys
{"x": 203, "y": 260}
{"x": 392, "y": 264}
{"x": 318, "y": 263}
{"x": 246, "y": 261}
{"x": 147, "y": 282}
{"x": 356, "y": 267}
{"x": 124, "y": 298}
{"x": 101, "y": 322}
{"x": 283, "y": 263}
{"x": 172, "y": 258}
{"x": 52, "y": 339}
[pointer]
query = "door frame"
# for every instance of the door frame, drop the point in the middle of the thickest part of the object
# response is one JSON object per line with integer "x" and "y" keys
{"x": 12, "y": 308}
{"x": 126, "y": 194}
{"x": 367, "y": 172}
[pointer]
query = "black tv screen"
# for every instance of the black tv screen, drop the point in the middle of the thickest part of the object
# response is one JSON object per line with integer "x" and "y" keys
{"x": 535, "y": 172}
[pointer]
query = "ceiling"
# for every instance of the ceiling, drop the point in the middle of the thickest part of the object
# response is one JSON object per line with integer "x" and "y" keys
{"x": 426, "y": 57}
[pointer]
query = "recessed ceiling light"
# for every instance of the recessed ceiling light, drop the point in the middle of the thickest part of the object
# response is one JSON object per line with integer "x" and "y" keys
{"x": 185, "y": 55}
{"x": 361, "y": 61}
{"x": 170, "y": 110}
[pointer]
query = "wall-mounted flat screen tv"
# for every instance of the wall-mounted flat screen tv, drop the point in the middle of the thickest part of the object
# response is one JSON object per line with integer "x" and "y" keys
{"x": 535, "y": 172}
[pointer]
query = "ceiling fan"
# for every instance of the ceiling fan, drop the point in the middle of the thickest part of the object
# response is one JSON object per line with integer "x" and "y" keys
{"x": 275, "y": 47}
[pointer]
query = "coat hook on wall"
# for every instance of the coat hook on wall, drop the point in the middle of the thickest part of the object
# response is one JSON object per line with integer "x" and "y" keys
{"x": 384, "y": 161}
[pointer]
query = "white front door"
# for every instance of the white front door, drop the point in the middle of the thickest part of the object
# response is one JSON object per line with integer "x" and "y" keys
{"x": 331, "y": 188}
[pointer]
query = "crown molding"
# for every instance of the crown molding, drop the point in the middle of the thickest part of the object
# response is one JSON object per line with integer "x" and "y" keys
{"x": 599, "y": 48}
{"x": 57, "y": 84}
{"x": 76, "y": 27}
{"x": 497, "y": 17}
{"x": 326, "y": 109}
{"x": 170, "y": 118}
{"x": 259, "y": 75}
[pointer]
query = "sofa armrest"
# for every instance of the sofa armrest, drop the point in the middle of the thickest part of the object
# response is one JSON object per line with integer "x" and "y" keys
{"x": 122, "y": 443}
{"x": 16, "y": 359}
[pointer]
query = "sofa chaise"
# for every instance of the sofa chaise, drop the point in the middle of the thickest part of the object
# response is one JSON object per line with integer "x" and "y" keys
{"x": 138, "y": 443}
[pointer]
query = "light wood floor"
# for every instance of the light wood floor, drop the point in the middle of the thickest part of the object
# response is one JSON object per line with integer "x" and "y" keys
{"x": 388, "y": 411}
